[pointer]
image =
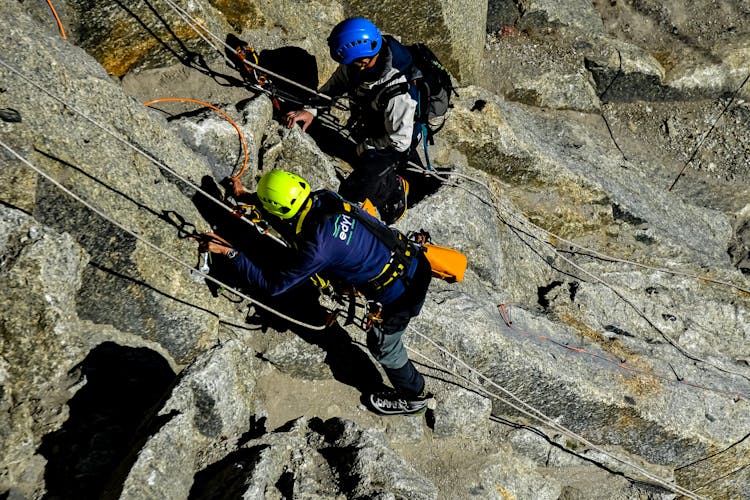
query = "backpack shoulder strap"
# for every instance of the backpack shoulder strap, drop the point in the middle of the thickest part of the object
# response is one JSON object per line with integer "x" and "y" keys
{"x": 325, "y": 204}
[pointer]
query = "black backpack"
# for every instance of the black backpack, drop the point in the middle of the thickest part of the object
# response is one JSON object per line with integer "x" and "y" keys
{"x": 435, "y": 89}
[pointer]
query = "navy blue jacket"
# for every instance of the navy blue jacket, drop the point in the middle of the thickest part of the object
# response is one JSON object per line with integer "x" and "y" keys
{"x": 341, "y": 247}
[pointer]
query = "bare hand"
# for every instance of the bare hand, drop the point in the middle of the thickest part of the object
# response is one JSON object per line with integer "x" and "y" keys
{"x": 212, "y": 242}
{"x": 303, "y": 117}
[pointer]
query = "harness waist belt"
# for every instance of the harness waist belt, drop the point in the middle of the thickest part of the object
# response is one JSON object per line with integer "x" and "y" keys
{"x": 396, "y": 266}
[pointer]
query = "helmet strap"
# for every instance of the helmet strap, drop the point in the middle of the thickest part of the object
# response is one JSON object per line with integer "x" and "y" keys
{"x": 302, "y": 214}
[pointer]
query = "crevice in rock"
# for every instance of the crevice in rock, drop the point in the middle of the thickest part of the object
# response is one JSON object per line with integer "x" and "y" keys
{"x": 340, "y": 461}
{"x": 285, "y": 484}
{"x": 542, "y": 292}
{"x": 256, "y": 429}
{"x": 123, "y": 387}
{"x": 619, "y": 213}
{"x": 227, "y": 478}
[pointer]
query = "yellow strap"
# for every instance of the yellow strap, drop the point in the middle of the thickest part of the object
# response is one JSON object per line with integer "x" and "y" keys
{"x": 302, "y": 215}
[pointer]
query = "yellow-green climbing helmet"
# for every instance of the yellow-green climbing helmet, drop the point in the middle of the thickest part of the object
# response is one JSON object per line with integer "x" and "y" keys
{"x": 282, "y": 193}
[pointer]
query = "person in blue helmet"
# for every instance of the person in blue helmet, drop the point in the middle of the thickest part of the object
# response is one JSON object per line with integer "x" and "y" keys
{"x": 340, "y": 241}
{"x": 375, "y": 72}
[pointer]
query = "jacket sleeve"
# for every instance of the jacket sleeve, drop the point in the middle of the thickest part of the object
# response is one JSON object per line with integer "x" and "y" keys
{"x": 276, "y": 280}
{"x": 334, "y": 87}
{"x": 399, "y": 124}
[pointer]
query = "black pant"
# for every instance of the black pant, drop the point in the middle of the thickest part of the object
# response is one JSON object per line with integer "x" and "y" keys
{"x": 374, "y": 177}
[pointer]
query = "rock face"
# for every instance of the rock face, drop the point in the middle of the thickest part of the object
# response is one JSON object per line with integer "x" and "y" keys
{"x": 597, "y": 347}
{"x": 454, "y": 29}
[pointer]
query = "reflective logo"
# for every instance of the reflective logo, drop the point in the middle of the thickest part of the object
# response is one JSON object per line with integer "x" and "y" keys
{"x": 344, "y": 226}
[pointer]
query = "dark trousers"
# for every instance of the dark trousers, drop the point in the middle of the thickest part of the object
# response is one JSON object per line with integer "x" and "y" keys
{"x": 384, "y": 340}
{"x": 374, "y": 177}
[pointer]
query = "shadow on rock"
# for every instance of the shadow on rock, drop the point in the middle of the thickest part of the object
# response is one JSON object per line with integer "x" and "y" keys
{"x": 123, "y": 388}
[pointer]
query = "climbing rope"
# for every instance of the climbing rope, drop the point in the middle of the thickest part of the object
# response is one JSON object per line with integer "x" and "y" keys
{"x": 594, "y": 277}
{"x": 156, "y": 248}
{"x": 713, "y": 125}
{"x": 504, "y": 310}
{"x": 224, "y": 206}
{"x": 222, "y": 113}
{"x": 166, "y": 168}
{"x": 57, "y": 19}
{"x": 201, "y": 30}
{"x": 524, "y": 408}
{"x": 144, "y": 154}
{"x": 557, "y": 238}
{"x": 534, "y": 413}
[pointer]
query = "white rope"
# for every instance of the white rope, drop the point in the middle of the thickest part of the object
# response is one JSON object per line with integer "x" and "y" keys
{"x": 538, "y": 415}
{"x": 554, "y": 236}
{"x": 157, "y": 248}
{"x": 186, "y": 17}
{"x": 594, "y": 277}
{"x": 138, "y": 150}
{"x": 416, "y": 168}
{"x": 541, "y": 416}
{"x": 176, "y": 260}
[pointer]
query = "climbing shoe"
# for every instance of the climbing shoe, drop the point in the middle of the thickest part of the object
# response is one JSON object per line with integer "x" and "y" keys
{"x": 395, "y": 208}
{"x": 393, "y": 403}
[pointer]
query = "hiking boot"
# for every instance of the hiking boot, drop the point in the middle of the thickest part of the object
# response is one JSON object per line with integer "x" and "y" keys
{"x": 394, "y": 210}
{"x": 392, "y": 403}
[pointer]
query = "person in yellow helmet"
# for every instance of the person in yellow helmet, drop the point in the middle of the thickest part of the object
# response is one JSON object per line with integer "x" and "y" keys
{"x": 338, "y": 239}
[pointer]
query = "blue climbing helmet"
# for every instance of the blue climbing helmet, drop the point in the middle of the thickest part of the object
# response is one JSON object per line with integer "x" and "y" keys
{"x": 353, "y": 39}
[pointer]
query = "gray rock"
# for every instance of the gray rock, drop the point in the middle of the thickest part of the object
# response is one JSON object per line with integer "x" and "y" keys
{"x": 371, "y": 467}
{"x": 209, "y": 408}
{"x": 462, "y": 413}
{"x": 298, "y": 358}
{"x": 127, "y": 284}
{"x": 648, "y": 366}
{"x": 215, "y": 138}
{"x": 573, "y": 92}
{"x": 624, "y": 72}
{"x": 144, "y": 35}
{"x": 507, "y": 477}
{"x": 453, "y": 30}
{"x": 297, "y": 152}
{"x": 578, "y": 14}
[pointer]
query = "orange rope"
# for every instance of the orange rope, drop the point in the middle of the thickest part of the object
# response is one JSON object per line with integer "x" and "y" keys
{"x": 226, "y": 116}
{"x": 57, "y": 18}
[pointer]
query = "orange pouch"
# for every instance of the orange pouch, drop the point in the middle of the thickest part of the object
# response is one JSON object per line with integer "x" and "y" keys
{"x": 446, "y": 263}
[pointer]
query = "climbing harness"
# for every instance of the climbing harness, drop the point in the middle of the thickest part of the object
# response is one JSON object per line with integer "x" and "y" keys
{"x": 373, "y": 313}
{"x": 326, "y": 204}
{"x": 549, "y": 421}
{"x": 531, "y": 411}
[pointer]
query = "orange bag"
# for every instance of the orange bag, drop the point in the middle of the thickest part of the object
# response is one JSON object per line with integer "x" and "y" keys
{"x": 446, "y": 263}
